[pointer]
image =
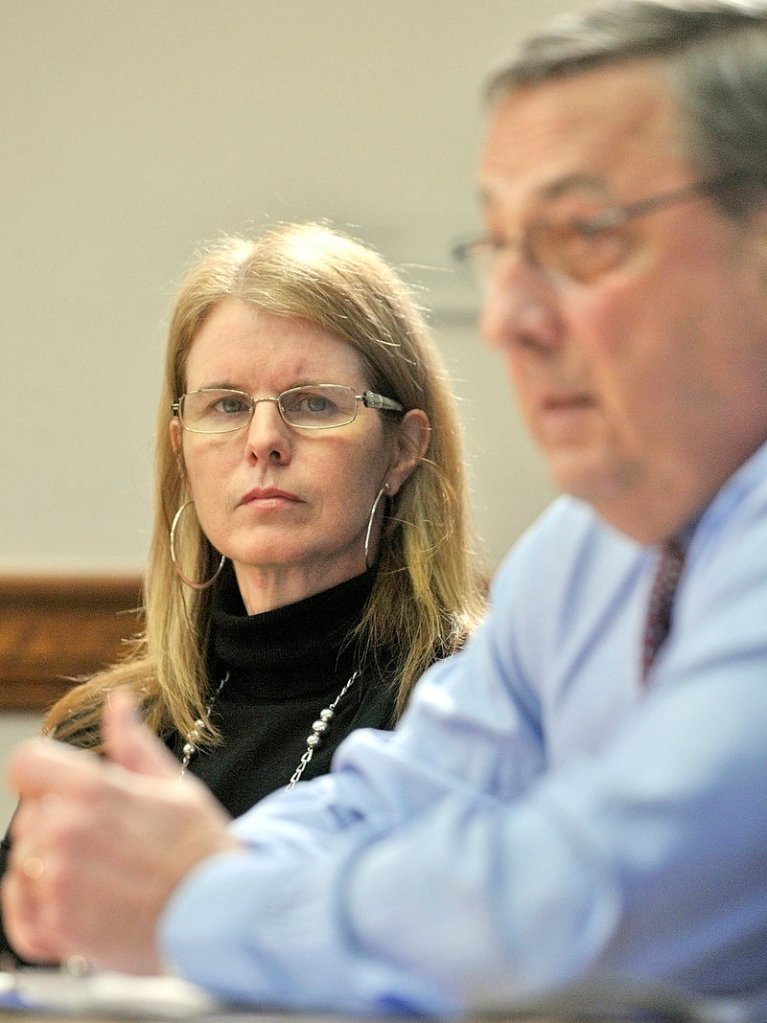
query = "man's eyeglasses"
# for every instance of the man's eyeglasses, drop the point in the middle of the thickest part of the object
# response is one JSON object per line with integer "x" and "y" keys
{"x": 581, "y": 248}
{"x": 314, "y": 407}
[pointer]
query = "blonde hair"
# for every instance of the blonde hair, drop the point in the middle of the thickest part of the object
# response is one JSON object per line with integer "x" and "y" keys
{"x": 428, "y": 594}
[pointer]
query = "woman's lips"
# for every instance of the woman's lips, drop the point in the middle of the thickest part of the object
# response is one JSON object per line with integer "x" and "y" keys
{"x": 269, "y": 497}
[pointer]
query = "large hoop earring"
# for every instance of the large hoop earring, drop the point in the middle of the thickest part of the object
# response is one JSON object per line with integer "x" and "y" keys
{"x": 189, "y": 582}
{"x": 384, "y": 491}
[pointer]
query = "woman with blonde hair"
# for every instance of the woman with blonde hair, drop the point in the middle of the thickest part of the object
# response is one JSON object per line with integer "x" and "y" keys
{"x": 311, "y": 552}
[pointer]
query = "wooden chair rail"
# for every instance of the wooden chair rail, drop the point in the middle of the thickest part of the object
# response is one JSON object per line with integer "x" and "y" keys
{"x": 56, "y": 628}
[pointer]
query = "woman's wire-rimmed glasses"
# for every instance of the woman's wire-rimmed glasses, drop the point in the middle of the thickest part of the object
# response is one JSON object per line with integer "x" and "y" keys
{"x": 580, "y": 249}
{"x": 310, "y": 407}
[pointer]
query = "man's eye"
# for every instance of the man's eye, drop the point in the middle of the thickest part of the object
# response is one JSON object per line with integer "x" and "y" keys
{"x": 589, "y": 251}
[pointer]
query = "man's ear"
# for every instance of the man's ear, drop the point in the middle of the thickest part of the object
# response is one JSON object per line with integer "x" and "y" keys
{"x": 413, "y": 439}
{"x": 758, "y": 229}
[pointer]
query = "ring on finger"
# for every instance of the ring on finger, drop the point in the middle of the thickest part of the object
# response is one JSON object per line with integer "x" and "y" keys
{"x": 32, "y": 867}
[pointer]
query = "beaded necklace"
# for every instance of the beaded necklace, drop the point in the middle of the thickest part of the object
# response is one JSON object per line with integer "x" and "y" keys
{"x": 320, "y": 728}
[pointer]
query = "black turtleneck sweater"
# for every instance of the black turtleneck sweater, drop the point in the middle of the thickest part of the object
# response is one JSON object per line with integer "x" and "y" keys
{"x": 284, "y": 666}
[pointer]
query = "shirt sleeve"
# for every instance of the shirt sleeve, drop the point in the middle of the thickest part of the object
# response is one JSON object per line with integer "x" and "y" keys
{"x": 457, "y": 863}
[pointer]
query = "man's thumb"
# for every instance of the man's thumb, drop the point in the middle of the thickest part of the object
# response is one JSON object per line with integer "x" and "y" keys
{"x": 129, "y": 743}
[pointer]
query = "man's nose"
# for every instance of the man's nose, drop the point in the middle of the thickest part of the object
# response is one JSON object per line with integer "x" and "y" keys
{"x": 520, "y": 305}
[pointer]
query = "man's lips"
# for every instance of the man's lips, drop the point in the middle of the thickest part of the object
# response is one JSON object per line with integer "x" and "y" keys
{"x": 565, "y": 402}
{"x": 269, "y": 494}
{"x": 563, "y": 417}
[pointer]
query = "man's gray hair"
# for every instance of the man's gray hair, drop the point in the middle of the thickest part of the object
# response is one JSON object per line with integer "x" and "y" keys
{"x": 715, "y": 56}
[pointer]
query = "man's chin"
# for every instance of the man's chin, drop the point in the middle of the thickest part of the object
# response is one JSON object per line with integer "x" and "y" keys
{"x": 582, "y": 474}
{"x": 593, "y": 478}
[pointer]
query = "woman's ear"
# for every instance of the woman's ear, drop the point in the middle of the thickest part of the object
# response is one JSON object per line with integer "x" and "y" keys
{"x": 413, "y": 439}
{"x": 175, "y": 436}
{"x": 176, "y": 433}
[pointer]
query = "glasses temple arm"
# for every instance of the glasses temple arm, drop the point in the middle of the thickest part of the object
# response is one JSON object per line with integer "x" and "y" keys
{"x": 372, "y": 400}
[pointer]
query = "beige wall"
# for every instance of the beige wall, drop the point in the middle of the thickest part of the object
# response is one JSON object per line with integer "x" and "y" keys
{"x": 129, "y": 131}
{"x": 13, "y": 728}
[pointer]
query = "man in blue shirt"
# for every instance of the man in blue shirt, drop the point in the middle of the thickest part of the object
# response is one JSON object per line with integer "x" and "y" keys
{"x": 572, "y": 798}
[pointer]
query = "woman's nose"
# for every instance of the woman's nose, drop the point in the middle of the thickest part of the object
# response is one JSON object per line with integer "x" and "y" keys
{"x": 268, "y": 435}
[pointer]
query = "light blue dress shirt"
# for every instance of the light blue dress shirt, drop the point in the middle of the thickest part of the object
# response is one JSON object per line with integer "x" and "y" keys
{"x": 539, "y": 817}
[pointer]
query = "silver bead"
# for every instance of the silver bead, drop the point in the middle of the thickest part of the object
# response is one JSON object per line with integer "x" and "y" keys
{"x": 318, "y": 729}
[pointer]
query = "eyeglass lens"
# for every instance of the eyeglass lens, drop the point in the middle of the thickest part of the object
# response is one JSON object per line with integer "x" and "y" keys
{"x": 221, "y": 410}
{"x": 569, "y": 249}
{"x": 582, "y": 249}
{"x": 578, "y": 252}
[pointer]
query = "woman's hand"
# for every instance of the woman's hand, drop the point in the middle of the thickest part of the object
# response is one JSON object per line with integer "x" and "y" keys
{"x": 100, "y": 845}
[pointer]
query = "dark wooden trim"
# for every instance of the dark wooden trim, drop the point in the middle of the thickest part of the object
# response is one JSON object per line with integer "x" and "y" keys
{"x": 56, "y": 628}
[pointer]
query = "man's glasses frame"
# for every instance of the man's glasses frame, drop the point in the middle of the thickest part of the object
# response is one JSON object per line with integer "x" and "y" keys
{"x": 581, "y": 248}
{"x": 348, "y": 398}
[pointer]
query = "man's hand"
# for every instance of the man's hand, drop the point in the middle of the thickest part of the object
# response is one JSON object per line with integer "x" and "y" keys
{"x": 100, "y": 845}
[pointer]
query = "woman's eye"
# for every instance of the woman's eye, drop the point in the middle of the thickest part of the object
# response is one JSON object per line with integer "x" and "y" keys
{"x": 231, "y": 406}
{"x": 308, "y": 403}
{"x": 317, "y": 403}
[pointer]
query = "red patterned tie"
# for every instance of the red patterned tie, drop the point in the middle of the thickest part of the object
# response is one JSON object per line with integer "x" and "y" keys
{"x": 658, "y": 622}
